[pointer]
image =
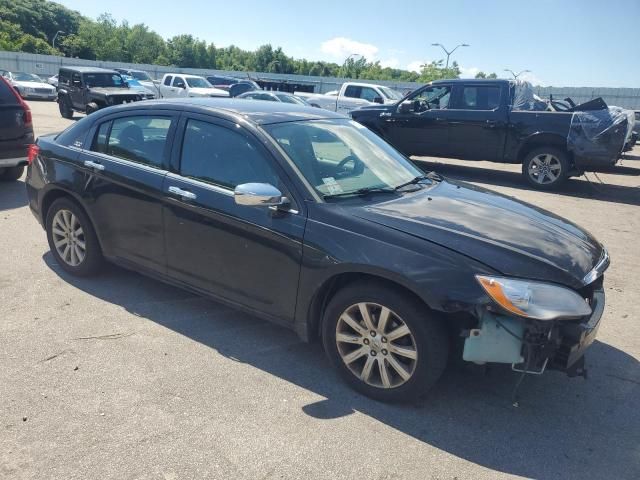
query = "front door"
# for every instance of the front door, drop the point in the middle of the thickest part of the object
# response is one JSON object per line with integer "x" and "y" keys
{"x": 477, "y": 122}
{"x": 128, "y": 161}
{"x": 423, "y": 128}
{"x": 77, "y": 91}
{"x": 244, "y": 254}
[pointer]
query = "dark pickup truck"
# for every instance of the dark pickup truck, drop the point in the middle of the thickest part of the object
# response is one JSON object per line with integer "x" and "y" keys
{"x": 503, "y": 121}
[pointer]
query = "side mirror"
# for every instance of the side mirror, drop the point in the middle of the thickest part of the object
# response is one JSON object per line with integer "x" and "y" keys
{"x": 258, "y": 195}
{"x": 405, "y": 107}
{"x": 379, "y": 100}
{"x": 181, "y": 85}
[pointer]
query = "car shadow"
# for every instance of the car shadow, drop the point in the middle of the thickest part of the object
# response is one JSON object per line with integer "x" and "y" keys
{"x": 12, "y": 195}
{"x": 591, "y": 189}
{"x": 563, "y": 428}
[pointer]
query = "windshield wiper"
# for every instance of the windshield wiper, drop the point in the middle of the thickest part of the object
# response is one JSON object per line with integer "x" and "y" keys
{"x": 428, "y": 176}
{"x": 360, "y": 192}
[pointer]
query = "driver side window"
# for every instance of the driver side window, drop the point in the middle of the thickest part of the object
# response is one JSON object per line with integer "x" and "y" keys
{"x": 432, "y": 98}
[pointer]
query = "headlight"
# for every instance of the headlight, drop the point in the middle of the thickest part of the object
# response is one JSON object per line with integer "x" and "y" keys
{"x": 537, "y": 300}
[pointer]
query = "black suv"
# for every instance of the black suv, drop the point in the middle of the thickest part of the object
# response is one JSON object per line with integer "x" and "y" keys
{"x": 16, "y": 132}
{"x": 87, "y": 89}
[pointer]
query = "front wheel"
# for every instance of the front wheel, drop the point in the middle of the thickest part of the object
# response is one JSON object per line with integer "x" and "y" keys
{"x": 546, "y": 168}
{"x": 72, "y": 238}
{"x": 11, "y": 174}
{"x": 383, "y": 342}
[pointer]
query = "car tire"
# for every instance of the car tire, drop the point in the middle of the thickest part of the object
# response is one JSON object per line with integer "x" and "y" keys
{"x": 65, "y": 108}
{"x": 11, "y": 174}
{"x": 72, "y": 238}
{"x": 91, "y": 108}
{"x": 361, "y": 357}
{"x": 546, "y": 168}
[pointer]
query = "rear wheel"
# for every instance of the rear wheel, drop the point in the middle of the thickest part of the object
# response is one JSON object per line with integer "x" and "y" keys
{"x": 65, "y": 108}
{"x": 72, "y": 238}
{"x": 384, "y": 343}
{"x": 546, "y": 168}
{"x": 11, "y": 174}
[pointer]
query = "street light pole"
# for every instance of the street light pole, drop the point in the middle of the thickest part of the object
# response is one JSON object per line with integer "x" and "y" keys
{"x": 516, "y": 75}
{"x": 53, "y": 43}
{"x": 449, "y": 52}
{"x": 347, "y": 59}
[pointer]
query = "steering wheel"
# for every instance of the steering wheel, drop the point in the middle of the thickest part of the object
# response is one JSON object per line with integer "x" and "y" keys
{"x": 341, "y": 170}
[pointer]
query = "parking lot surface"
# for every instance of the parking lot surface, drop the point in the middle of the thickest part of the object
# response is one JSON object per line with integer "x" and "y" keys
{"x": 122, "y": 377}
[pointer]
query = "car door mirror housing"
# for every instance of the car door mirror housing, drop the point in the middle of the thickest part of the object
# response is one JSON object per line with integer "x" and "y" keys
{"x": 259, "y": 195}
{"x": 379, "y": 100}
{"x": 405, "y": 107}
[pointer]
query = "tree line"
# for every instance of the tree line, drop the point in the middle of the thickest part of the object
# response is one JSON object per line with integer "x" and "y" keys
{"x": 31, "y": 26}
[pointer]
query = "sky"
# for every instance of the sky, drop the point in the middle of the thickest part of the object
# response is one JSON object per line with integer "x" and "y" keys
{"x": 591, "y": 43}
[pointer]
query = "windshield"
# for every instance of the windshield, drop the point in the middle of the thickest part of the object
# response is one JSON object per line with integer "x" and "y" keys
{"x": 197, "y": 82}
{"x": 390, "y": 93}
{"x": 290, "y": 99}
{"x": 26, "y": 77}
{"x": 104, "y": 80}
{"x": 342, "y": 156}
{"x": 140, "y": 75}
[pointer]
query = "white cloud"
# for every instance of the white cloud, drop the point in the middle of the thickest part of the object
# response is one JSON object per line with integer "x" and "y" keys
{"x": 342, "y": 47}
{"x": 391, "y": 63}
{"x": 469, "y": 72}
{"x": 416, "y": 65}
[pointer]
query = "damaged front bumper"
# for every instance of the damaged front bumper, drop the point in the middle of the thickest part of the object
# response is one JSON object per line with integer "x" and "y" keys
{"x": 532, "y": 346}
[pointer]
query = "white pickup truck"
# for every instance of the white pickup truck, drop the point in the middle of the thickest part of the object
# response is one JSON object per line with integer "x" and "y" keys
{"x": 352, "y": 95}
{"x": 178, "y": 85}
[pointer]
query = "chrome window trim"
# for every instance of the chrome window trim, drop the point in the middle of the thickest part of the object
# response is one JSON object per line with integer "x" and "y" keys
{"x": 201, "y": 184}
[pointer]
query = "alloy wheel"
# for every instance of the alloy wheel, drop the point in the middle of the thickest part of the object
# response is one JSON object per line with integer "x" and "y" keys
{"x": 376, "y": 345}
{"x": 68, "y": 238}
{"x": 545, "y": 169}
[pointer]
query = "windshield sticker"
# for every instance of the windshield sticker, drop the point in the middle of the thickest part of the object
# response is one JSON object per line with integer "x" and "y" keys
{"x": 332, "y": 185}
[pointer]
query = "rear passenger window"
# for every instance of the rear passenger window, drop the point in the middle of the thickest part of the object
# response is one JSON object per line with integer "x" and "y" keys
{"x": 218, "y": 155}
{"x": 6, "y": 94}
{"x": 140, "y": 139}
{"x": 480, "y": 98}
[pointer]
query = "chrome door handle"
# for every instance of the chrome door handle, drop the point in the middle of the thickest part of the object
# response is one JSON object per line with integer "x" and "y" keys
{"x": 183, "y": 193}
{"x": 94, "y": 165}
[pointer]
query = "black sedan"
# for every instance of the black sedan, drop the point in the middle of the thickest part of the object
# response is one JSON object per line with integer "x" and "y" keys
{"x": 308, "y": 219}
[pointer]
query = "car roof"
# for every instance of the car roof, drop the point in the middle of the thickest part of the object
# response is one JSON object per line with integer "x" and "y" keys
{"x": 258, "y": 112}
{"x": 89, "y": 69}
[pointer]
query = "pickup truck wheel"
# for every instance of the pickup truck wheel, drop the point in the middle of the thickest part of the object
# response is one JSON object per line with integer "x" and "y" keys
{"x": 65, "y": 108}
{"x": 11, "y": 174}
{"x": 72, "y": 238}
{"x": 546, "y": 168}
{"x": 383, "y": 342}
{"x": 91, "y": 107}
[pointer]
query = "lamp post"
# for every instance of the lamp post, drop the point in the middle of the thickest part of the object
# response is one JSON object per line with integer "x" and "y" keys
{"x": 347, "y": 59}
{"x": 53, "y": 42}
{"x": 449, "y": 52}
{"x": 516, "y": 75}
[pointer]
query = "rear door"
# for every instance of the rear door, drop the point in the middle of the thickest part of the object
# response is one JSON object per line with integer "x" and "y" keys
{"x": 477, "y": 122}
{"x": 128, "y": 161}
{"x": 244, "y": 254}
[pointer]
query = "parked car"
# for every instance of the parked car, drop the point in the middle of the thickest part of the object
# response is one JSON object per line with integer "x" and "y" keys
{"x": 178, "y": 85}
{"x": 235, "y": 86}
{"x": 145, "y": 92}
{"x": 142, "y": 77}
{"x": 501, "y": 121}
{"x": 88, "y": 89}
{"x": 53, "y": 80}
{"x": 352, "y": 95}
{"x": 30, "y": 85}
{"x": 308, "y": 219}
{"x": 274, "y": 97}
{"x": 16, "y": 132}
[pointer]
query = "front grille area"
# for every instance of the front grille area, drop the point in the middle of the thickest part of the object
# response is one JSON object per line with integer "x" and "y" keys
{"x": 44, "y": 91}
{"x": 124, "y": 99}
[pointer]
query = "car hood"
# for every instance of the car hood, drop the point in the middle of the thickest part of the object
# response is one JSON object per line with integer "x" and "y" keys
{"x": 509, "y": 236}
{"x": 33, "y": 84}
{"x": 206, "y": 92}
